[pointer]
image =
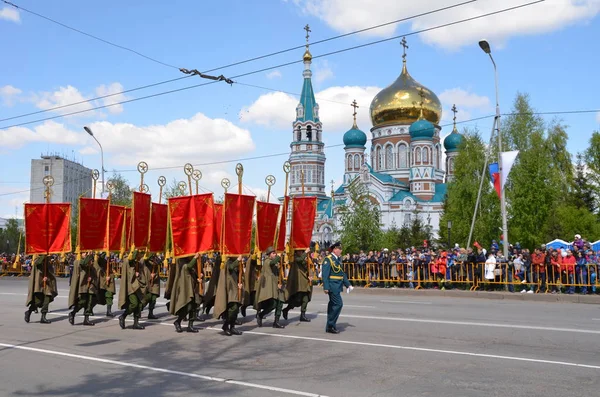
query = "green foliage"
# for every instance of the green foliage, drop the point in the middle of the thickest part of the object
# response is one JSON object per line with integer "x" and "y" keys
{"x": 9, "y": 237}
{"x": 584, "y": 193}
{"x": 172, "y": 190}
{"x": 568, "y": 220}
{"x": 122, "y": 193}
{"x": 360, "y": 220}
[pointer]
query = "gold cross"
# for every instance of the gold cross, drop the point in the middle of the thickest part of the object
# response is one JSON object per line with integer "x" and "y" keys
{"x": 355, "y": 106}
{"x": 307, "y": 28}
{"x": 403, "y": 44}
{"x": 454, "y": 110}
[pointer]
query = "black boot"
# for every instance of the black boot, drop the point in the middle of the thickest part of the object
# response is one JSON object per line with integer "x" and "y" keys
{"x": 259, "y": 319}
{"x": 122, "y": 320}
{"x": 238, "y": 322}
{"x": 226, "y": 328}
{"x": 243, "y": 310}
{"x": 28, "y": 315}
{"x": 303, "y": 317}
{"x": 285, "y": 312}
{"x": 151, "y": 315}
{"x": 276, "y": 323}
{"x": 109, "y": 311}
{"x": 190, "y": 327}
{"x": 72, "y": 317}
{"x": 168, "y": 305}
{"x": 86, "y": 320}
{"x": 177, "y": 325}
{"x": 44, "y": 320}
{"x": 136, "y": 323}
{"x": 233, "y": 329}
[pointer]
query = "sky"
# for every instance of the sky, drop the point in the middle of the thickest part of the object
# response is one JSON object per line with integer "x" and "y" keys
{"x": 544, "y": 50}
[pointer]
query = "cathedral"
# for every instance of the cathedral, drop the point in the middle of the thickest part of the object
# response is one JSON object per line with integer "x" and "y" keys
{"x": 404, "y": 176}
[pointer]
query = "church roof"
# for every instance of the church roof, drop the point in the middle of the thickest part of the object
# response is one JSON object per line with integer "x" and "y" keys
{"x": 308, "y": 102}
{"x": 325, "y": 207}
{"x": 402, "y": 194}
{"x": 385, "y": 178}
{"x": 440, "y": 192}
{"x": 340, "y": 190}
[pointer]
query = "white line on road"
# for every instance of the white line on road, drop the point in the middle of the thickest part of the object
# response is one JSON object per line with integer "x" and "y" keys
{"x": 365, "y": 307}
{"x": 411, "y": 302}
{"x": 163, "y": 370}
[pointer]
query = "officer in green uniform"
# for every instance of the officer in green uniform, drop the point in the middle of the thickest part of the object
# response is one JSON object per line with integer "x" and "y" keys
{"x": 151, "y": 273}
{"x": 185, "y": 297}
{"x": 131, "y": 291}
{"x": 269, "y": 293}
{"x": 227, "y": 301}
{"x": 334, "y": 279}
{"x": 106, "y": 282}
{"x": 84, "y": 288}
{"x": 250, "y": 283}
{"x": 299, "y": 285}
{"x": 42, "y": 288}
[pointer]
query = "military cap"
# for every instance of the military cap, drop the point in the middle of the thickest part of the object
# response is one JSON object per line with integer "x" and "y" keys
{"x": 335, "y": 245}
{"x": 269, "y": 250}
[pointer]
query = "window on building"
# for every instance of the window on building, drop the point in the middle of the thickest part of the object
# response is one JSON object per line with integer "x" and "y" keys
{"x": 378, "y": 158}
{"x": 389, "y": 157}
{"x": 425, "y": 155}
{"x": 407, "y": 219}
{"x": 356, "y": 162}
{"x": 309, "y": 133}
{"x": 298, "y": 134}
{"x": 402, "y": 156}
{"x": 418, "y": 155}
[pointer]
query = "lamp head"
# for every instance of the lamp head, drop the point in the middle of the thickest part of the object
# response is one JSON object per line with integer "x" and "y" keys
{"x": 485, "y": 46}
{"x": 88, "y": 130}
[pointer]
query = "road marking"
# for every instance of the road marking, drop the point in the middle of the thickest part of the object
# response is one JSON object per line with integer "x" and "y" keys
{"x": 412, "y": 302}
{"x": 162, "y": 370}
{"x": 365, "y": 307}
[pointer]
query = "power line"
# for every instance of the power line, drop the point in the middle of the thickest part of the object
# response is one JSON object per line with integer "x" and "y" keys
{"x": 280, "y": 65}
{"x": 91, "y": 35}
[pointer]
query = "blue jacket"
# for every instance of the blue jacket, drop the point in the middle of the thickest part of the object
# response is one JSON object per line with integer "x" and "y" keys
{"x": 334, "y": 277}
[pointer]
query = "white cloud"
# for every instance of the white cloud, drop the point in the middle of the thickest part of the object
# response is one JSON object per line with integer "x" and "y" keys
{"x": 63, "y": 96}
{"x": 112, "y": 88}
{"x": 322, "y": 71}
{"x": 349, "y": 15}
{"x": 276, "y": 110}
{"x": 465, "y": 102}
{"x": 275, "y": 74}
{"x": 8, "y": 93}
{"x": 10, "y": 14}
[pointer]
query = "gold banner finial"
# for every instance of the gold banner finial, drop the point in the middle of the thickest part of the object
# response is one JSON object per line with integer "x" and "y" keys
{"x": 181, "y": 185}
{"x": 95, "y": 176}
{"x": 162, "y": 181}
{"x": 110, "y": 186}
{"x": 142, "y": 168}
{"x": 48, "y": 181}
{"x": 196, "y": 176}
{"x": 270, "y": 181}
{"x": 188, "y": 169}
{"x": 239, "y": 171}
{"x": 287, "y": 168}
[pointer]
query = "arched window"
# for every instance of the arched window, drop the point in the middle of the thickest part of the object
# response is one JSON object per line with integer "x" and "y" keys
{"x": 309, "y": 133}
{"x": 356, "y": 162}
{"x": 378, "y": 158}
{"x": 425, "y": 155}
{"x": 451, "y": 165}
{"x": 299, "y": 134}
{"x": 348, "y": 162}
{"x": 436, "y": 164}
{"x": 418, "y": 156}
{"x": 438, "y": 156}
{"x": 402, "y": 156}
{"x": 389, "y": 157}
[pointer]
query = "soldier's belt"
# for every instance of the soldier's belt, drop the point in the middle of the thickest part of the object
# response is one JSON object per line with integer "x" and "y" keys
{"x": 337, "y": 277}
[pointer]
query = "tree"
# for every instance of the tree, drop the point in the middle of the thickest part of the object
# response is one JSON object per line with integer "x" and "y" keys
{"x": 172, "y": 190}
{"x": 462, "y": 195}
{"x": 583, "y": 194}
{"x": 592, "y": 158}
{"x": 360, "y": 220}
{"x": 122, "y": 194}
{"x": 568, "y": 220}
{"x": 9, "y": 237}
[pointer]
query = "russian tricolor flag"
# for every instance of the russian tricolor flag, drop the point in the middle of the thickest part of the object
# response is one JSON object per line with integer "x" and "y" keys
{"x": 495, "y": 177}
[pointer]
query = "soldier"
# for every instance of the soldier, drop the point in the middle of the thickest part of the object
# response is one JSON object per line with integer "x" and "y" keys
{"x": 185, "y": 293}
{"x": 211, "y": 290}
{"x": 131, "y": 291}
{"x": 227, "y": 301}
{"x": 269, "y": 293}
{"x": 250, "y": 283}
{"x": 42, "y": 288}
{"x": 105, "y": 281}
{"x": 334, "y": 279}
{"x": 84, "y": 288}
{"x": 299, "y": 285}
{"x": 171, "y": 272}
{"x": 151, "y": 272}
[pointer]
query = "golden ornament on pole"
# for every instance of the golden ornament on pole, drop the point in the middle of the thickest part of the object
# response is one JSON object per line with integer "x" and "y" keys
{"x": 142, "y": 168}
{"x": 95, "y": 176}
{"x": 48, "y": 181}
{"x": 181, "y": 185}
{"x": 162, "y": 181}
{"x": 196, "y": 176}
{"x": 270, "y": 181}
{"x": 188, "y": 170}
{"x": 239, "y": 171}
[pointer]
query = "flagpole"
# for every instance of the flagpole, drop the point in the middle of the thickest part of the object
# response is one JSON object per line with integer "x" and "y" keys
{"x": 239, "y": 170}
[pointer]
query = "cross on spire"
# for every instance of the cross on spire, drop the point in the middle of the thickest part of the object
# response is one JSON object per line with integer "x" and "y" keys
{"x": 355, "y": 106}
{"x": 307, "y": 28}
{"x": 403, "y": 43}
{"x": 454, "y": 110}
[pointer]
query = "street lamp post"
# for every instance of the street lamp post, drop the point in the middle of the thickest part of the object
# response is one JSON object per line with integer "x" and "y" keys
{"x": 486, "y": 48}
{"x": 449, "y": 240}
{"x": 89, "y": 131}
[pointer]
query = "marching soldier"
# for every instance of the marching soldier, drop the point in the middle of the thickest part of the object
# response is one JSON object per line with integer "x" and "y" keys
{"x": 334, "y": 279}
{"x": 151, "y": 273}
{"x": 299, "y": 285}
{"x": 42, "y": 288}
{"x": 131, "y": 291}
{"x": 84, "y": 288}
{"x": 211, "y": 290}
{"x": 105, "y": 281}
{"x": 269, "y": 293}
{"x": 171, "y": 269}
{"x": 250, "y": 283}
{"x": 185, "y": 293}
{"x": 227, "y": 302}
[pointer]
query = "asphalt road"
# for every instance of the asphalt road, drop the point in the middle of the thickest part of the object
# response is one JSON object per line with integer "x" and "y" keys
{"x": 389, "y": 346}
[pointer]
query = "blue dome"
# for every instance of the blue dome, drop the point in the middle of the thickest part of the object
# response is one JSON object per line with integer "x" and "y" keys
{"x": 355, "y": 138}
{"x": 453, "y": 141}
{"x": 422, "y": 129}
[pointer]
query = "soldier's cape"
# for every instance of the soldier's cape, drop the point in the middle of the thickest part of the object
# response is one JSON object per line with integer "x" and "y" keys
{"x": 184, "y": 287}
{"x": 36, "y": 281}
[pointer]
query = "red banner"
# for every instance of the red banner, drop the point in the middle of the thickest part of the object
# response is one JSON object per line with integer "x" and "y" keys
{"x": 127, "y": 228}
{"x": 116, "y": 223}
{"x": 304, "y": 210}
{"x": 158, "y": 227}
{"x": 283, "y": 225}
{"x": 93, "y": 221}
{"x": 47, "y": 228}
{"x": 192, "y": 224}
{"x": 266, "y": 224}
{"x": 237, "y": 218}
{"x": 218, "y": 227}
{"x": 140, "y": 219}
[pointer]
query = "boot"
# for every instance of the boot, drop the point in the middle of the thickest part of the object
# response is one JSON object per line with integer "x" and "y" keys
{"x": 72, "y": 317}
{"x": 276, "y": 323}
{"x": 136, "y": 323}
{"x": 243, "y": 310}
{"x": 177, "y": 325}
{"x": 151, "y": 315}
{"x": 28, "y": 315}
{"x": 199, "y": 316}
{"x": 238, "y": 322}
{"x": 36, "y": 310}
{"x": 233, "y": 330}
{"x": 122, "y": 320}
{"x": 168, "y": 306}
{"x": 86, "y": 320}
{"x": 226, "y": 328}
{"x": 44, "y": 320}
{"x": 285, "y": 313}
{"x": 109, "y": 311}
{"x": 190, "y": 327}
{"x": 259, "y": 319}
{"x": 303, "y": 317}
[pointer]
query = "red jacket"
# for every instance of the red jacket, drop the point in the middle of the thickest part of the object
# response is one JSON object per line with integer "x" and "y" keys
{"x": 568, "y": 264}
{"x": 538, "y": 262}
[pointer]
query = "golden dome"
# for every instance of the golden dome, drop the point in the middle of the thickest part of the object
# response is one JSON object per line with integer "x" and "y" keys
{"x": 307, "y": 55}
{"x": 399, "y": 103}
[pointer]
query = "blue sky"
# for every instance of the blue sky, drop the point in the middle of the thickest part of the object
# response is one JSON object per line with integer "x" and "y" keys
{"x": 544, "y": 50}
